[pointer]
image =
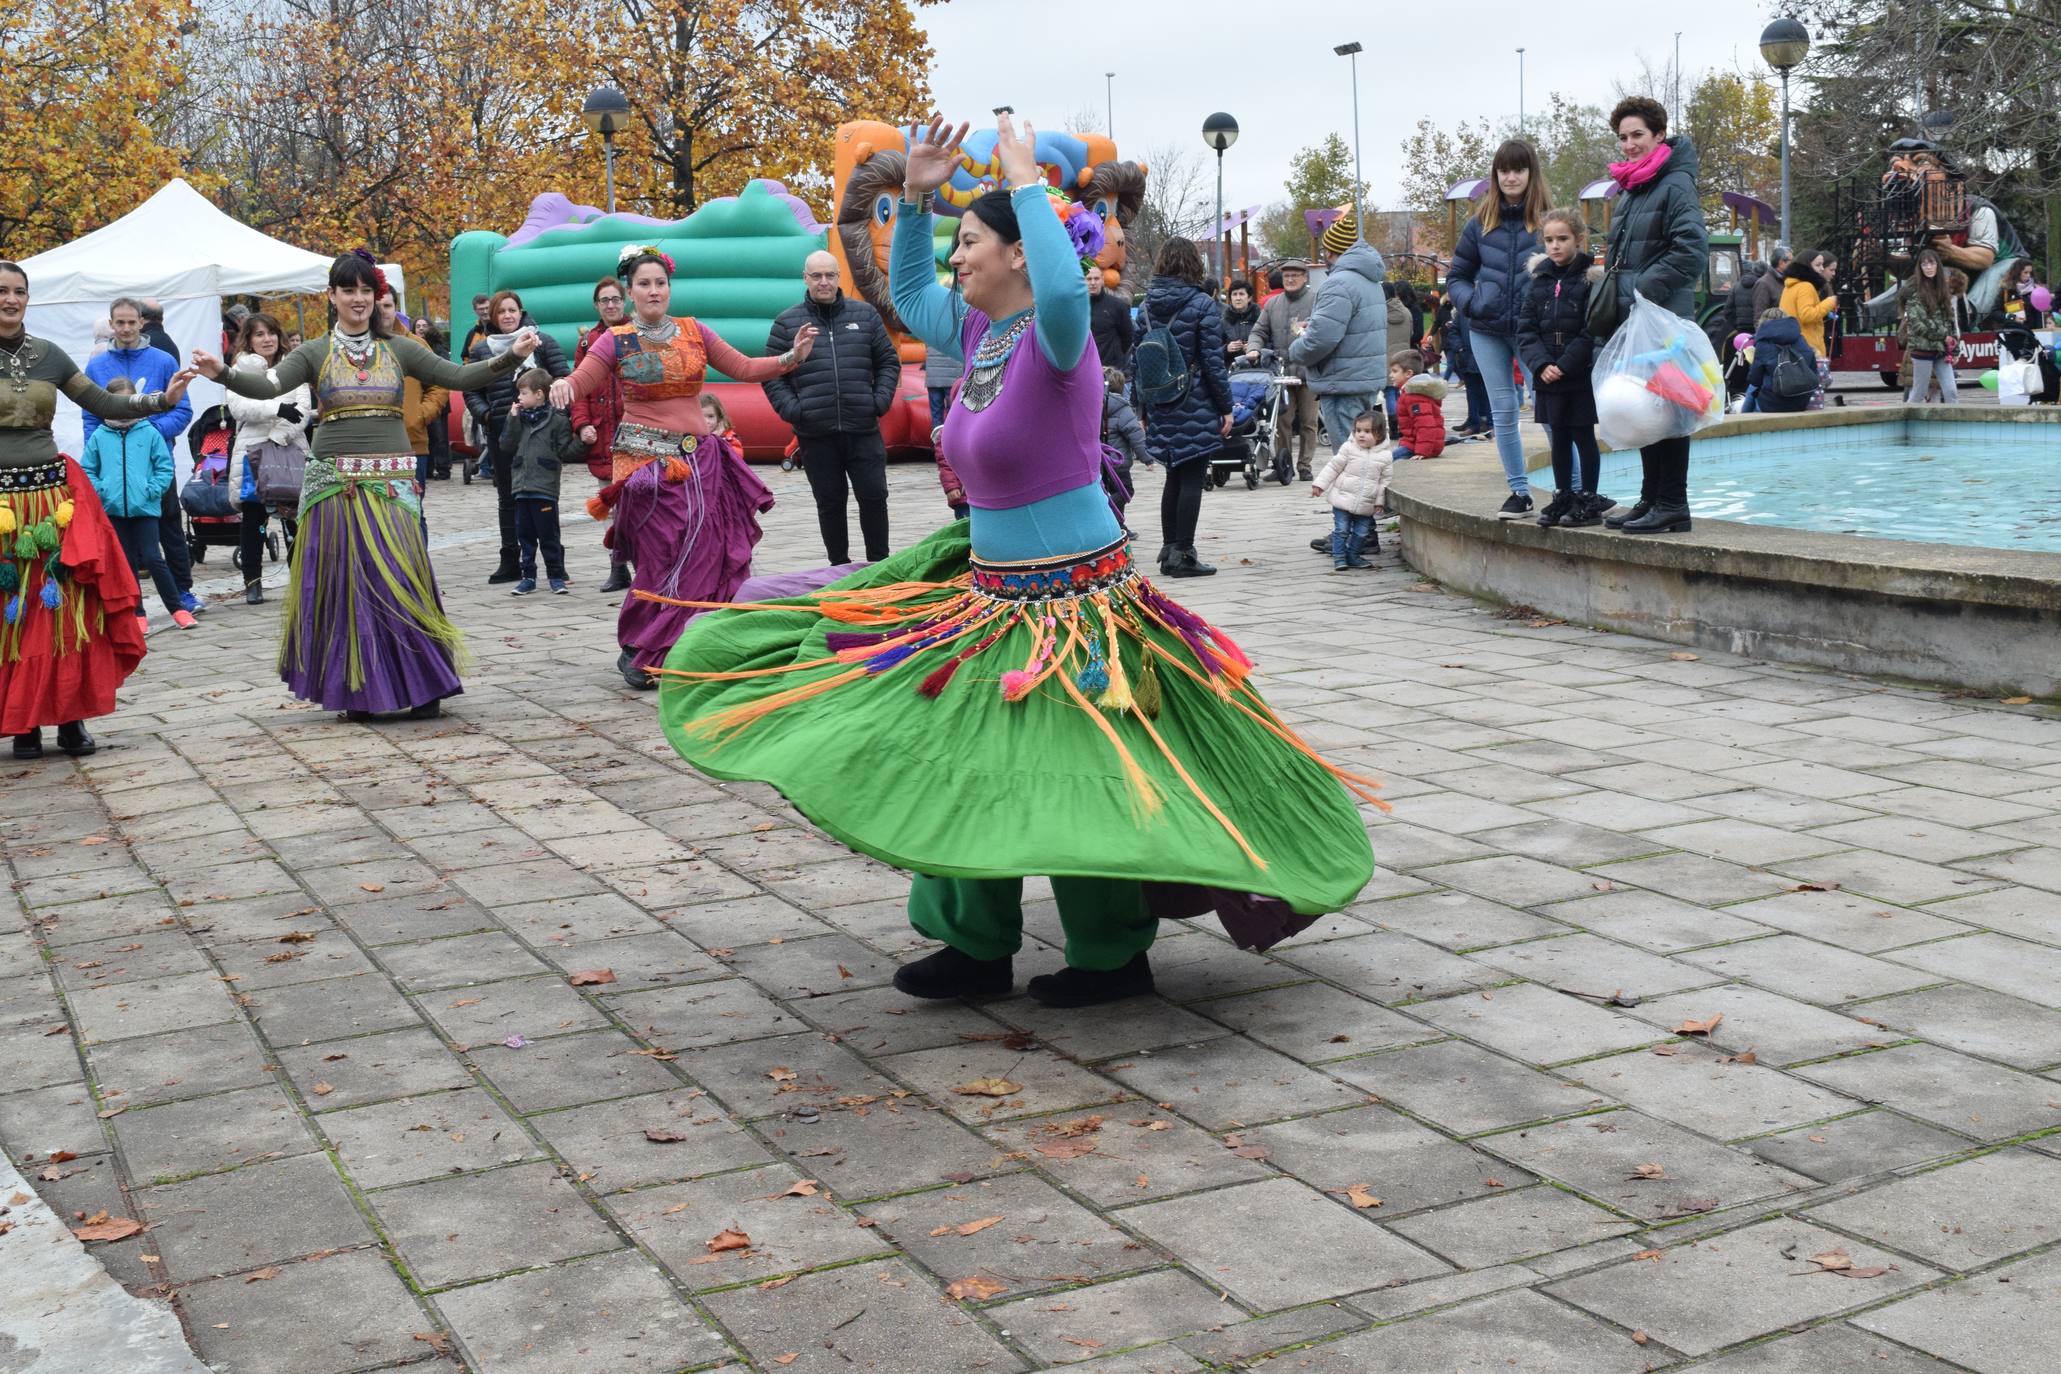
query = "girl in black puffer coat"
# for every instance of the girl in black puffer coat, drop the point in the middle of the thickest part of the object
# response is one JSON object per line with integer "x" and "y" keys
{"x": 1553, "y": 337}
{"x": 1487, "y": 283}
{"x": 1186, "y": 433}
{"x": 490, "y": 407}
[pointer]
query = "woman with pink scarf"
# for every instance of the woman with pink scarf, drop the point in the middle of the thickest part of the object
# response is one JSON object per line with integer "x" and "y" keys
{"x": 1657, "y": 246}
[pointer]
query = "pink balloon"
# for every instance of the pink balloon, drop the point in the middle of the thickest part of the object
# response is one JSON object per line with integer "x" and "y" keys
{"x": 1741, "y": 339}
{"x": 2041, "y": 298}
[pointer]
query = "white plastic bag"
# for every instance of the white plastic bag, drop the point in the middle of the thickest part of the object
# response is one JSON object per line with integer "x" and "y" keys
{"x": 1658, "y": 378}
{"x": 2017, "y": 382}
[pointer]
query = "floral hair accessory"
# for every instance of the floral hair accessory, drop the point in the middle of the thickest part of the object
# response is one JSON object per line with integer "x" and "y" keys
{"x": 631, "y": 252}
{"x": 1083, "y": 226}
{"x": 378, "y": 276}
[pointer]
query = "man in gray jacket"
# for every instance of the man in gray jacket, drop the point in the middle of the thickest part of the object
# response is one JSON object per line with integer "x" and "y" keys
{"x": 1281, "y": 321}
{"x": 1345, "y": 345}
{"x": 1767, "y": 292}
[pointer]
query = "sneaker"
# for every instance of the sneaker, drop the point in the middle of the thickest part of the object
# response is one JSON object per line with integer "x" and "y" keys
{"x": 1563, "y": 504}
{"x": 192, "y": 604}
{"x": 1518, "y": 504}
{"x": 524, "y": 587}
{"x": 559, "y": 587}
{"x": 184, "y": 619}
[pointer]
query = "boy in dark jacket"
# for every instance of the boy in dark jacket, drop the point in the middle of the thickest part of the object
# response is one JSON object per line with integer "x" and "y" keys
{"x": 1780, "y": 334}
{"x": 1420, "y": 414}
{"x": 1553, "y": 339}
{"x": 544, "y": 444}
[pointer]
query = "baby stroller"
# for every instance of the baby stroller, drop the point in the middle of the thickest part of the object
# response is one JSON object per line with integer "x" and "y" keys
{"x": 214, "y": 518}
{"x": 1257, "y": 395}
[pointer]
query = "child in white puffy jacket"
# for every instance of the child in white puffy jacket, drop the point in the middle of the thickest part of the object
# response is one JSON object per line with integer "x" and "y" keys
{"x": 1357, "y": 480}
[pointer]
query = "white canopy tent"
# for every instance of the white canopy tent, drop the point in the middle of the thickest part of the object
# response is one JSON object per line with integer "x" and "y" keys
{"x": 178, "y": 247}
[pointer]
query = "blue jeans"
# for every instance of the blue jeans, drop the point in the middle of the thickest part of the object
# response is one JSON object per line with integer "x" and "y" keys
{"x": 940, "y": 403}
{"x": 139, "y": 540}
{"x": 1494, "y": 355}
{"x": 1338, "y": 412}
{"x": 1349, "y": 533}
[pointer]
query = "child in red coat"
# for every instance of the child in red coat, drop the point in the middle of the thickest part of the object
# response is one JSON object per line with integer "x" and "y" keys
{"x": 1420, "y": 416}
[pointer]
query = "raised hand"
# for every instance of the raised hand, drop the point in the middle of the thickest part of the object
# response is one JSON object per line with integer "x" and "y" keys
{"x": 933, "y": 156}
{"x": 804, "y": 343}
{"x": 526, "y": 342}
{"x": 205, "y": 364}
{"x": 176, "y": 388}
{"x": 1018, "y": 155}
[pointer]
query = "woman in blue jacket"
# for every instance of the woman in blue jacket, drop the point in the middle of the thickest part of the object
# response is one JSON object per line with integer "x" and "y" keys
{"x": 1487, "y": 283}
{"x": 1184, "y": 434}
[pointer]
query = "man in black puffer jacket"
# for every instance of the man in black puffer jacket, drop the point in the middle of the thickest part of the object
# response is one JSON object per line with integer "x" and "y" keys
{"x": 834, "y": 401}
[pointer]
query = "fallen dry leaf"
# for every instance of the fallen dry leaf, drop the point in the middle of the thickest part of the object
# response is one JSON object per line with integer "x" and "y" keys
{"x": 435, "y": 1340}
{"x": 975, "y": 1288}
{"x": 1359, "y": 1195}
{"x": 972, "y": 1227}
{"x": 1689, "y": 1206}
{"x": 1065, "y": 1148}
{"x": 780, "y": 1073}
{"x": 1492, "y": 1183}
{"x": 658, "y": 1135}
{"x": 1747, "y": 1058}
{"x": 284, "y": 956}
{"x": 844, "y": 972}
{"x": 805, "y": 1188}
{"x": 770, "y": 1284}
{"x": 297, "y": 937}
{"x": 988, "y": 1087}
{"x": 1699, "y": 1027}
{"x": 372, "y": 887}
{"x": 1640, "y": 1338}
{"x": 1827, "y": 886}
{"x": 789, "y": 1358}
{"x": 466, "y": 1002}
{"x": 1252, "y": 1152}
{"x": 1084, "y": 1342}
{"x": 1832, "y": 1261}
{"x": 592, "y": 977}
{"x": 1870, "y": 1271}
{"x": 1648, "y": 1171}
{"x": 1647, "y": 1255}
{"x": 323, "y": 1089}
{"x": 2016, "y": 701}
{"x": 270, "y": 1271}
{"x": 725, "y": 1240}
{"x": 1685, "y": 657}
{"x": 104, "y": 1227}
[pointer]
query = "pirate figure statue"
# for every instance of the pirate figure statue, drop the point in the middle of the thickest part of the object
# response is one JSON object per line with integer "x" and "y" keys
{"x": 1926, "y": 204}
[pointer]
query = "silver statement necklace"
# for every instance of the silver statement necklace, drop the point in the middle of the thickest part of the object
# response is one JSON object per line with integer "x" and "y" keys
{"x": 357, "y": 350}
{"x": 659, "y": 333}
{"x": 18, "y": 356}
{"x": 990, "y": 360}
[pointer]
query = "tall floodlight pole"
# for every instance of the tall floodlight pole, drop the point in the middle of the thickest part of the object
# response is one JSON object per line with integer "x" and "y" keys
{"x": 1783, "y": 45}
{"x": 1219, "y": 131}
{"x": 1520, "y": 91}
{"x": 1351, "y": 52}
{"x": 1109, "y": 101}
{"x": 1677, "y": 99}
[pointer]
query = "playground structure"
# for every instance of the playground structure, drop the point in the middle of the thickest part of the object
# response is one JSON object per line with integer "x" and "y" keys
{"x": 740, "y": 257}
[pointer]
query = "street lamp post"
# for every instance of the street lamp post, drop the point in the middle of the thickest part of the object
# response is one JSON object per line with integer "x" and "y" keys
{"x": 1220, "y": 131}
{"x": 607, "y": 113}
{"x": 1784, "y": 44}
{"x": 1520, "y": 91}
{"x": 1351, "y": 52}
{"x": 1109, "y": 101}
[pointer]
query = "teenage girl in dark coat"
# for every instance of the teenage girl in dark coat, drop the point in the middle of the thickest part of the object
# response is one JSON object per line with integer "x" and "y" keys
{"x": 1553, "y": 338}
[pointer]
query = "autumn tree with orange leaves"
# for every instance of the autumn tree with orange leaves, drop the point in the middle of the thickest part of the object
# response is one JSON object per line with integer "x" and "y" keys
{"x": 88, "y": 90}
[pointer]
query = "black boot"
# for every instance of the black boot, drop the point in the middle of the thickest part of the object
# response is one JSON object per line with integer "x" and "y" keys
{"x": 626, "y": 664}
{"x": 618, "y": 578}
{"x": 950, "y": 973}
{"x": 1557, "y": 509}
{"x": 1166, "y": 552}
{"x": 29, "y": 745}
{"x": 1668, "y": 519}
{"x": 73, "y": 739}
{"x": 1645, "y": 504}
{"x": 1087, "y": 987}
{"x": 1184, "y": 563}
{"x": 1587, "y": 509}
{"x": 506, "y": 572}
{"x": 360, "y": 717}
{"x": 428, "y": 710}
{"x": 254, "y": 594}
{"x": 1321, "y": 544}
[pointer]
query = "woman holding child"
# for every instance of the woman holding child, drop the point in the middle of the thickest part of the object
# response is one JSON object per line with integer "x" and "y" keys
{"x": 686, "y": 506}
{"x": 365, "y": 632}
{"x": 1010, "y": 697}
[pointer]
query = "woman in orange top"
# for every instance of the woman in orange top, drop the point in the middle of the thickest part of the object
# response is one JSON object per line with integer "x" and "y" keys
{"x": 685, "y": 504}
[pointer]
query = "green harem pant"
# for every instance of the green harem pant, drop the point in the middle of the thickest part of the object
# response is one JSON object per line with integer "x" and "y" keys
{"x": 1105, "y": 919}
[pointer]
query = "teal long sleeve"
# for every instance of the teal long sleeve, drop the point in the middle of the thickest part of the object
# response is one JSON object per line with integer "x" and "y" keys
{"x": 928, "y": 310}
{"x": 1058, "y": 289}
{"x": 1058, "y": 285}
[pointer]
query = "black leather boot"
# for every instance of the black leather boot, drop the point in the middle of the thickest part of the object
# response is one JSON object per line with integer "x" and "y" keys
{"x": 1087, "y": 987}
{"x": 1184, "y": 563}
{"x": 626, "y": 664}
{"x": 1619, "y": 520}
{"x": 1660, "y": 520}
{"x": 618, "y": 578}
{"x": 951, "y": 973}
{"x": 73, "y": 739}
{"x": 1166, "y": 552}
{"x": 29, "y": 745}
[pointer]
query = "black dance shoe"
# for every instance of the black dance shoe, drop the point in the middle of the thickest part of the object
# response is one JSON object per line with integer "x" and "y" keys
{"x": 360, "y": 717}
{"x": 73, "y": 739}
{"x": 1183, "y": 563}
{"x": 632, "y": 674}
{"x": 29, "y": 745}
{"x": 1087, "y": 987}
{"x": 428, "y": 710}
{"x": 950, "y": 973}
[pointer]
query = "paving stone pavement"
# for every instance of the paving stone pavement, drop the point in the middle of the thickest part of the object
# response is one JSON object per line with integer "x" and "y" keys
{"x": 318, "y": 1003}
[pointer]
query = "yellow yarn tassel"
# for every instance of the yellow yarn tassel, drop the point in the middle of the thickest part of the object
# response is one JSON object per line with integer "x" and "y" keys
{"x": 8, "y": 524}
{"x": 64, "y": 514}
{"x": 1117, "y": 696}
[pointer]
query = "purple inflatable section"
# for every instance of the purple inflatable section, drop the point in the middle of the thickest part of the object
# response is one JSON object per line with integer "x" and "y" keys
{"x": 554, "y": 211}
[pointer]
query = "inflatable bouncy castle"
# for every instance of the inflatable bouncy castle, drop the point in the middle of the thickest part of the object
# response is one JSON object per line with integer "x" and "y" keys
{"x": 740, "y": 258}
{"x": 869, "y": 165}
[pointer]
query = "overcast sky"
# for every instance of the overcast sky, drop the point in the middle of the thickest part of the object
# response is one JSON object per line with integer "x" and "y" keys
{"x": 1177, "y": 61}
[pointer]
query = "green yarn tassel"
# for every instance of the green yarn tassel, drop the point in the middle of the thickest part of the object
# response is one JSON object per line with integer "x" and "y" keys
{"x": 1146, "y": 692}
